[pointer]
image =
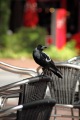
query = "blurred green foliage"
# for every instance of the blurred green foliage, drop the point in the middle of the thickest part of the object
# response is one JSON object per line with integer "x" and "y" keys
{"x": 4, "y": 15}
{"x": 4, "y": 20}
{"x": 29, "y": 38}
{"x": 66, "y": 53}
{"x": 23, "y": 42}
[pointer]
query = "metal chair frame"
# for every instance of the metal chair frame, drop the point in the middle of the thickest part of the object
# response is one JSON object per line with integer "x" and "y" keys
{"x": 17, "y": 70}
{"x": 74, "y": 60}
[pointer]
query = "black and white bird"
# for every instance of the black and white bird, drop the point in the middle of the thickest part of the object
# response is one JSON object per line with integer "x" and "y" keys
{"x": 44, "y": 60}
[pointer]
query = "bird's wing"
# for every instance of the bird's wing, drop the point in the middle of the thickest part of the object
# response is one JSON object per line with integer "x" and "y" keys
{"x": 51, "y": 64}
{"x": 46, "y": 57}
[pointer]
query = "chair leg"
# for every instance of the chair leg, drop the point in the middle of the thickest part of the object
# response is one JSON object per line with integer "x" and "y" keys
{"x": 79, "y": 113}
{"x": 72, "y": 113}
{"x": 79, "y": 96}
{"x": 55, "y": 112}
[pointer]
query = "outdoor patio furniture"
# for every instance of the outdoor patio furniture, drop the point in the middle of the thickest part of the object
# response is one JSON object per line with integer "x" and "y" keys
{"x": 63, "y": 90}
{"x": 28, "y": 89}
{"x": 36, "y": 110}
{"x": 31, "y": 89}
{"x": 76, "y": 61}
{"x": 13, "y": 70}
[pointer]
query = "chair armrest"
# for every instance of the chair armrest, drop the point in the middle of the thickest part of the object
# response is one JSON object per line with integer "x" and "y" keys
{"x": 27, "y": 80}
{"x": 38, "y": 103}
{"x": 74, "y": 60}
{"x": 64, "y": 105}
{"x": 77, "y": 106}
{"x": 34, "y": 104}
{"x": 17, "y": 70}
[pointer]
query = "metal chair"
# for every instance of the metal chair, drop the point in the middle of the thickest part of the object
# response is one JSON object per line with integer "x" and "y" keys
{"x": 13, "y": 70}
{"x": 28, "y": 89}
{"x": 76, "y": 61}
{"x": 63, "y": 90}
{"x": 36, "y": 110}
{"x": 31, "y": 89}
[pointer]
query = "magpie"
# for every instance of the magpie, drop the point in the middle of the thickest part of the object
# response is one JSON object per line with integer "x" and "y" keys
{"x": 44, "y": 60}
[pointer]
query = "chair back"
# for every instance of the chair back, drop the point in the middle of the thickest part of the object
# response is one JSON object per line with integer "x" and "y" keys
{"x": 33, "y": 91}
{"x": 63, "y": 90}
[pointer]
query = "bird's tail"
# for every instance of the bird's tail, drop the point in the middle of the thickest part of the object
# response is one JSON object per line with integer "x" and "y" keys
{"x": 58, "y": 73}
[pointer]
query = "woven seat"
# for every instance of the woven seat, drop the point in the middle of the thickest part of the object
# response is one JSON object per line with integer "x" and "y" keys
{"x": 63, "y": 90}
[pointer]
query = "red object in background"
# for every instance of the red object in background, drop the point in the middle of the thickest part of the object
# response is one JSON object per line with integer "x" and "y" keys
{"x": 76, "y": 37}
{"x": 60, "y": 28}
{"x": 30, "y": 17}
{"x": 49, "y": 40}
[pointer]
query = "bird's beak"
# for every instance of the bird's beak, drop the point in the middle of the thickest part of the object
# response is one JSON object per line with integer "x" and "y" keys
{"x": 43, "y": 47}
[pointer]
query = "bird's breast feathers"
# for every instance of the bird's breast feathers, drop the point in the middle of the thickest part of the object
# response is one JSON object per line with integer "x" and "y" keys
{"x": 36, "y": 54}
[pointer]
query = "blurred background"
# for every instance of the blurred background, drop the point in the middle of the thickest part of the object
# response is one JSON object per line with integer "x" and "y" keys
{"x": 26, "y": 23}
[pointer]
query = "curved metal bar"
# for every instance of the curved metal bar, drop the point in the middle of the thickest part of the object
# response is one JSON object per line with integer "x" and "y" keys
{"x": 17, "y": 70}
{"x": 68, "y": 65}
{"x": 74, "y": 60}
{"x": 8, "y": 111}
{"x": 25, "y": 81}
{"x": 15, "y": 84}
{"x": 10, "y": 92}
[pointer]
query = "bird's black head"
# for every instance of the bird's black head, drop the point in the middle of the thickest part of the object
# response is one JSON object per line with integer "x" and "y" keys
{"x": 40, "y": 47}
